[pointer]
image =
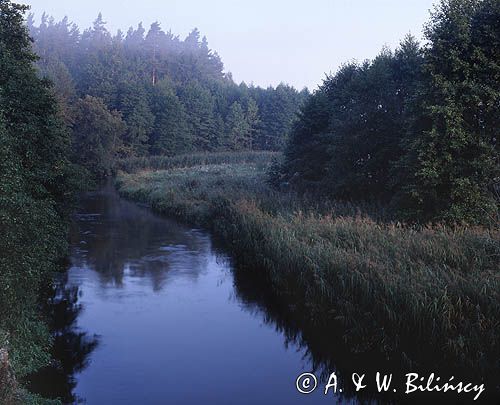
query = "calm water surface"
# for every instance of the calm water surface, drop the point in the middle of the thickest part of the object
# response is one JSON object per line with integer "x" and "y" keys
{"x": 151, "y": 312}
{"x": 154, "y": 312}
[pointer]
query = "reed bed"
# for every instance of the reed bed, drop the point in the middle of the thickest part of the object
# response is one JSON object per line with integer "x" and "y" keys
{"x": 399, "y": 289}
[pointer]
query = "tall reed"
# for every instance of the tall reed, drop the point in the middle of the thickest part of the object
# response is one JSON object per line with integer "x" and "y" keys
{"x": 393, "y": 287}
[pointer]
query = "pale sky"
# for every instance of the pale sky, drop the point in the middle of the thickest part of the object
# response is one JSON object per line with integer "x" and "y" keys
{"x": 265, "y": 42}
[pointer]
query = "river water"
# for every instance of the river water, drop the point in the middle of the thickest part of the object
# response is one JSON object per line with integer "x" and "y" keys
{"x": 154, "y": 312}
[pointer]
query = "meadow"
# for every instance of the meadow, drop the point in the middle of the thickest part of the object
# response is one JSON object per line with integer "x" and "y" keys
{"x": 399, "y": 289}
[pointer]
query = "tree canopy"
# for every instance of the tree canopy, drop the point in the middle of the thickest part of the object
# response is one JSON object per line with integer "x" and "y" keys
{"x": 172, "y": 93}
{"x": 416, "y": 128}
{"x": 36, "y": 180}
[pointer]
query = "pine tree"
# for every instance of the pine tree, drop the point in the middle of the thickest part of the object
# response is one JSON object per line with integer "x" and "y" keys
{"x": 134, "y": 105}
{"x": 135, "y": 38}
{"x": 124, "y": 71}
{"x": 199, "y": 105}
{"x": 170, "y": 132}
{"x": 253, "y": 121}
{"x": 278, "y": 108}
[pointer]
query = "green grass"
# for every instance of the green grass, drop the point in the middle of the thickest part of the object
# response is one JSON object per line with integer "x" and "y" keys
{"x": 392, "y": 287}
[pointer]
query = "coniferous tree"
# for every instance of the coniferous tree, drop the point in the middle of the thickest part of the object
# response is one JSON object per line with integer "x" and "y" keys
{"x": 124, "y": 71}
{"x": 278, "y": 109}
{"x": 239, "y": 130}
{"x": 170, "y": 133}
{"x": 199, "y": 106}
{"x": 134, "y": 105}
{"x": 253, "y": 120}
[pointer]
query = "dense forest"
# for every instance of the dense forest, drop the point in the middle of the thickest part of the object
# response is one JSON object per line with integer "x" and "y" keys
{"x": 415, "y": 129}
{"x": 149, "y": 92}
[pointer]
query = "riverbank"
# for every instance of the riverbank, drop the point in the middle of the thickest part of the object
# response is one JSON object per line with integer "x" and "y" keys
{"x": 401, "y": 290}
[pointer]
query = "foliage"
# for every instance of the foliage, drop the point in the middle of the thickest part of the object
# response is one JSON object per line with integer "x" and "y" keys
{"x": 36, "y": 180}
{"x": 350, "y": 131}
{"x": 416, "y": 128}
{"x": 96, "y": 136}
{"x": 452, "y": 160}
{"x": 170, "y": 130}
{"x": 172, "y": 94}
{"x": 239, "y": 129}
{"x": 278, "y": 109}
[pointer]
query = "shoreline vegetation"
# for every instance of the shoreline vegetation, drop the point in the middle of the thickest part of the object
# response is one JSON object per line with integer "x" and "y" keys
{"x": 391, "y": 286}
{"x": 409, "y": 136}
{"x": 37, "y": 185}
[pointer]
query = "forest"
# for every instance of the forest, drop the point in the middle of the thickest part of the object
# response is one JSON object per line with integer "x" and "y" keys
{"x": 373, "y": 200}
{"x": 415, "y": 129}
{"x": 148, "y": 92}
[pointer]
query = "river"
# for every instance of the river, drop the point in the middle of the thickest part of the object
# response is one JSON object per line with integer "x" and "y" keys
{"x": 151, "y": 312}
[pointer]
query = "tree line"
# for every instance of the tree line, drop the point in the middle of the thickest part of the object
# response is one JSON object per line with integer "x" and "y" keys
{"x": 152, "y": 93}
{"x": 415, "y": 129}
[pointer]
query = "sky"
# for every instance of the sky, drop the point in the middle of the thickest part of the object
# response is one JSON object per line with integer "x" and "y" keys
{"x": 265, "y": 42}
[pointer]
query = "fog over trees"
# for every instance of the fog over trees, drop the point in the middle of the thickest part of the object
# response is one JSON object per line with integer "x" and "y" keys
{"x": 172, "y": 94}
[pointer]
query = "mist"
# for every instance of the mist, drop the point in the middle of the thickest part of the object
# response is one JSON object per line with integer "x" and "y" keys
{"x": 264, "y": 42}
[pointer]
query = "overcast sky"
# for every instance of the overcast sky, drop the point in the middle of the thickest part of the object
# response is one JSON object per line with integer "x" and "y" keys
{"x": 265, "y": 41}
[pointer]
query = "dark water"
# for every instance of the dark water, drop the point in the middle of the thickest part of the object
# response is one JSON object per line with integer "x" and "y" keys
{"x": 150, "y": 312}
{"x": 153, "y": 312}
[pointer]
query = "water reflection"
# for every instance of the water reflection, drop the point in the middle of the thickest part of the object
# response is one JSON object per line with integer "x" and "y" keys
{"x": 72, "y": 347}
{"x": 323, "y": 348}
{"x": 153, "y": 312}
{"x": 114, "y": 237}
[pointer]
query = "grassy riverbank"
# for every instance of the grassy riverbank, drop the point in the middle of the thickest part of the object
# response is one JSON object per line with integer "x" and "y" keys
{"x": 391, "y": 286}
